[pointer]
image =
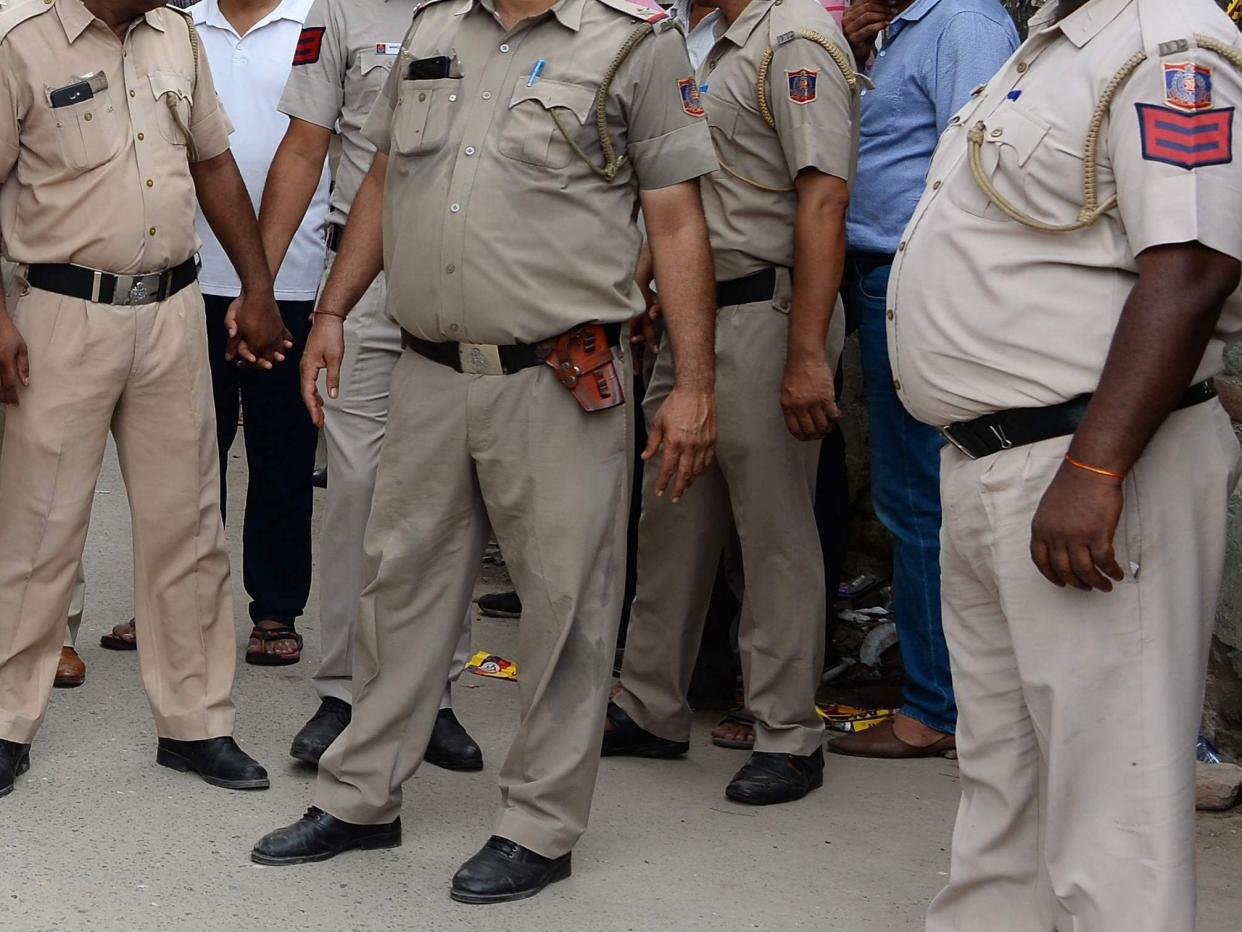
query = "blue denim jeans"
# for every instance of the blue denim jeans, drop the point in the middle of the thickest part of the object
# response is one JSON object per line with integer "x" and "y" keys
{"x": 905, "y": 487}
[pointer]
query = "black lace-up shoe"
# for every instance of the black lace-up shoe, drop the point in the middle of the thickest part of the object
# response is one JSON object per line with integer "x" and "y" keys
{"x": 323, "y": 728}
{"x": 318, "y": 836}
{"x": 769, "y": 778}
{"x": 219, "y": 761}
{"x": 503, "y": 870}
{"x": 500, "y": 605}
{"x": 451, "y": 746}
{"x": 14, "y": 761}
{"x": 624, "y": 737}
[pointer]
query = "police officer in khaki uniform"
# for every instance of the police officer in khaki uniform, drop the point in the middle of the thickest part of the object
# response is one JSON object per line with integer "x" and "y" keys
{"x": 344, "y": 56}
{"x": 509, "y": 242}
{"x": 780, "y": 100}
{"x": 1064, "y": 330}
{"x": 110, "y": 127}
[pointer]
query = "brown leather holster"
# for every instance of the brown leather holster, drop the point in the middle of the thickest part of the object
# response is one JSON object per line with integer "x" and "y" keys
{"x": 584, "y": 363}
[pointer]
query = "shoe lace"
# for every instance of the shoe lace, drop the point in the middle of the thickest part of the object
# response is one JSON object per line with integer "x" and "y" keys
{"x": 334, "y": 708}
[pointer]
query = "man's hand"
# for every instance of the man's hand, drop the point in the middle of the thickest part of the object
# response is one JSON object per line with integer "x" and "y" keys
{"x": 685, "y": 426}
{"x": 257, "y": 334}
{"x": 1072, "y": 534}
{"x": 324, "y": 349}
{"x": 862, "y": 22}
{"x": 808, "y": 398}
{"x": 14, "y": 362}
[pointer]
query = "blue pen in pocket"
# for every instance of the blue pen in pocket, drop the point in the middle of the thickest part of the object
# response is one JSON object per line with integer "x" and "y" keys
{"x": 534, "y": 73}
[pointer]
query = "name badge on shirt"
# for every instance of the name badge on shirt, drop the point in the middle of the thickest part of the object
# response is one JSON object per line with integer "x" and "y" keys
{"x": 387, "y": 48}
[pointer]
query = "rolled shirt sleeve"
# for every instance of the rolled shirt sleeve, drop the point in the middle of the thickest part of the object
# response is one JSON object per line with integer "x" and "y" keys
{"x": 813, "y": 108}
{"x": 1177, "y": 176}
{"x": 210, "y": 126}
{"x": 315, "y": 91}
{"x": 668, "y": 142}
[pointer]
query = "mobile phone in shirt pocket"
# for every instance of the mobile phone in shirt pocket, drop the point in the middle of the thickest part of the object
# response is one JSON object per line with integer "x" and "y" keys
{"x": 91, "y": 132}
{"x": 173, "y": 92}
{"x": 530, "y": 133}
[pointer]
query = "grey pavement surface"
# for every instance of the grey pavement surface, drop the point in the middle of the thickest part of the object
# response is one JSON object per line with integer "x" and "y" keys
{"x": 96, "y": 837}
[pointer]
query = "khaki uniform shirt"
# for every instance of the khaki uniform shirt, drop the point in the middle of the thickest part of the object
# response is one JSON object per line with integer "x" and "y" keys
{"x": 104, "y": 182}
{"x": 988, "y": 314}
{"x": 494, "y": 230}
{"x": 346, "y": 52}
{"x": 816, "y": 128}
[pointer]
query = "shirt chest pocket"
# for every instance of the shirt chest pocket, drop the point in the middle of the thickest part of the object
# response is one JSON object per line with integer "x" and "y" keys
{"x": 1010, "y": 138}
{"x": 174, "y": 104}
{"x": 420, "y": 124}
{"x": 91, "y": 132}
{"x": 530, "y": 133}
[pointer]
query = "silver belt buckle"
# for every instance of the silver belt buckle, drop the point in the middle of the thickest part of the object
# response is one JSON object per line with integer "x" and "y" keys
{"x": 133, "y": 290}
{"x": 480, "y": 359}
{"x": 945, "y": 433}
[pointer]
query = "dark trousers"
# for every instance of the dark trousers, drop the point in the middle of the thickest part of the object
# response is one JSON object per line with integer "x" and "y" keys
{"x": 280, "y": 456}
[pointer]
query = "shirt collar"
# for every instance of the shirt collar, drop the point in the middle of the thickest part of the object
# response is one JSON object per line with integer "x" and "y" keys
{"x": 739, "y": 33}
{"x": 75, "y": 18}
{"x": 1085, "y": 23}
{"x": 207, "y": 13}
{"x": 567, "y": 12}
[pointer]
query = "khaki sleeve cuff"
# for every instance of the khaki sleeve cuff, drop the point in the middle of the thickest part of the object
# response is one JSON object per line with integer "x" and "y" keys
{"x": 310, "y": 98}
{"x": 1185, "y": 208}
{"x": 211, "y": 135}
{"x": 378, "y": 127}
{"x": 810, "y": 145}
{"x": 682, "y": 155}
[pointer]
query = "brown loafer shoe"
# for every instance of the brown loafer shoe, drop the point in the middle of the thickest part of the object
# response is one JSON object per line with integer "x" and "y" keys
{"x": 71, "y": 671}
{"x": 882, "y": 742}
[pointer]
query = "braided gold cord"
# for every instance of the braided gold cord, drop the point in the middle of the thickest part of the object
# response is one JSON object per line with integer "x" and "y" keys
{"x": 765, "y": 64}
{"x": 1091, "y": 210}
{"x": 612, "y": 162}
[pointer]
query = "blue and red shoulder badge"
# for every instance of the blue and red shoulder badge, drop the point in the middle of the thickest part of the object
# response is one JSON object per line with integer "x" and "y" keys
{"x": 691, "y": 96}
{"x": 310, "y": 45}
{"x": 802, "y": 85}
{"x": 1187, "y": 140}
{"x": 1188, "y": 86}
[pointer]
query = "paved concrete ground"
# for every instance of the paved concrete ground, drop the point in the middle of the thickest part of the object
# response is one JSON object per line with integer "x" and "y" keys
{"x": 96, "y": 837}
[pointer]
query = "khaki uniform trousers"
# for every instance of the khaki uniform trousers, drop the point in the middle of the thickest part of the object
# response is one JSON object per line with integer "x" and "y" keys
{"x": 764, "y": 481}
{"x": 554, "y": 482}
{"x": 1079, "y": 711}
{"x": 353, "y": 435}
{"x": 141, "y": 372}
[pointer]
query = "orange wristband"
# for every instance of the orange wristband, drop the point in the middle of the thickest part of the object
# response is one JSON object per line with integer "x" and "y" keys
{"x": 1077, "y": 464}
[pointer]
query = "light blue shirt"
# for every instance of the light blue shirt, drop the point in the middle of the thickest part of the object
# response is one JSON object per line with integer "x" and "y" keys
{"x": 937, "y": 52}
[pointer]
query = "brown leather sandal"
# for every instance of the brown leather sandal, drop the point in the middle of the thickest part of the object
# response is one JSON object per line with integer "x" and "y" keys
{"x": 882, "y": 742}
{"x": 261, "y": 657}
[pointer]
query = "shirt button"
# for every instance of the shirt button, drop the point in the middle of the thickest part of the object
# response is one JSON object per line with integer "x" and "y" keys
{"x": 936, "y": 186}
{"x": 487, "y": 95}
{"x": 998, "y": 132}
{"x": 901, "y": 247}
{"x": 882, "y": 54}
{"x": 151, "y": 231}
{"x": 150, "y": 183}
{"x": 469, "y": 150}
{"x": 897, "y": 385}
{"x": 88, "y": 118}
{"x": 452, "y": 97}
{"x": 450, "y": 269}
{"x": 422, "y": 96}
{"x": 1022, "y": 66}
{"x": 955, "y": 121}
{"x": 891, "y": 315}
{"x": 504, "y": 47}
{"x": 142, "y": 136}
{"x": 131, "y": 93}
{"x": 453, "y": 328}
{"x": 454, "y": 208}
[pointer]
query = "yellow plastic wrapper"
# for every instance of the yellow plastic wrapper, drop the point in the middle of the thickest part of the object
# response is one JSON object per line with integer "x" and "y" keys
{"x": 485, "y": 664}
{"x": 852, "y": 718}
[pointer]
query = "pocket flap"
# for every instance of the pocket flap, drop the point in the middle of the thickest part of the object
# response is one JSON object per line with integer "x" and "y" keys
{"x": 164, "y": 82}
{"x": 1018, "y": 130}
{"x": 556, "y": 95}
{"x": 721, "y": 114}
{"x": 369, "y": 60}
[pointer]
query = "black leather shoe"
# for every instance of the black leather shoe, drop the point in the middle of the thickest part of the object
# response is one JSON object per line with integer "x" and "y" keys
{"x": 623, "y": 736}
{"x": 503, "y": 870}
{"x": 451, "y": 746}
{"x": 318, "y": 836}
{"x": 14, "y": 761}
{"x": 324, "y": 727}
{"x": 500, "y": 605}
{"x": 219, "y": 761}
{"x": 769, "y": 778}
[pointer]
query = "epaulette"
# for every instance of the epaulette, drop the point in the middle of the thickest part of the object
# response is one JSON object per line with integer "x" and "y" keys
{"x": 14, "y": 16}
{"x": 648, "y": 12}
{"x": 423, "y": 4}
{"x": 182, "y": 10}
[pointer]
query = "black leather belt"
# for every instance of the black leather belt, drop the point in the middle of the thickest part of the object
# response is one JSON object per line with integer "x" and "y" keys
{"x": 758, "y": 286}
{"x": 867, "y": 262}
{"x": 1018, "y": 427}
{"x": 77, "y": 281}
{"x": 487, "y": 359}
{"x": 336, "y": 233}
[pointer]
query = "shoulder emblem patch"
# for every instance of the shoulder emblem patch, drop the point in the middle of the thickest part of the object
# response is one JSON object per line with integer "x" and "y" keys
{"x": 1187, "y": 86}
{"x": 802, "y": 85}
{"x": 691, "y": 96}
{"x": 310, "y": 44}
{"x": 1187, "y": 140}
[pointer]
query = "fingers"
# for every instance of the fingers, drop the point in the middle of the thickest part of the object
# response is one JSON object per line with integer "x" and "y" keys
{"x": 819, "y": 417}
{"x": 647, "y": 325}
{"x": 668, "y": 468}
{"x": 793, "y": 424}
{"x": 241, "y": 350}
{"x": 310, "y": 390}
{"x": 333, "y": 378}
{"x": 23, "y": 366}
{"x": 1043, "y": 563}
{"x": 1085, "y": 572}
{"x": 8, "y": 382}
{"x": 1105, "y": 558}
{"x": 655, "y": 437}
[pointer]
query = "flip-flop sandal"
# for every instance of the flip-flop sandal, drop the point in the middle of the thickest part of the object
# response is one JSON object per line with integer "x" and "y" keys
{"x": 261, "y": 658}
{"x": 111, "y": 641}
{"x": 735, "y": 717}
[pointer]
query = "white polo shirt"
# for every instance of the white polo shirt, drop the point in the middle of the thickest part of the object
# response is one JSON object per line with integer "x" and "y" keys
{"x": 250, "y": 73}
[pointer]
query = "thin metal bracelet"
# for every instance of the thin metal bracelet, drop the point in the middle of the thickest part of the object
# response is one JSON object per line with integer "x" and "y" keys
{"x": 1078, "y": 464}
